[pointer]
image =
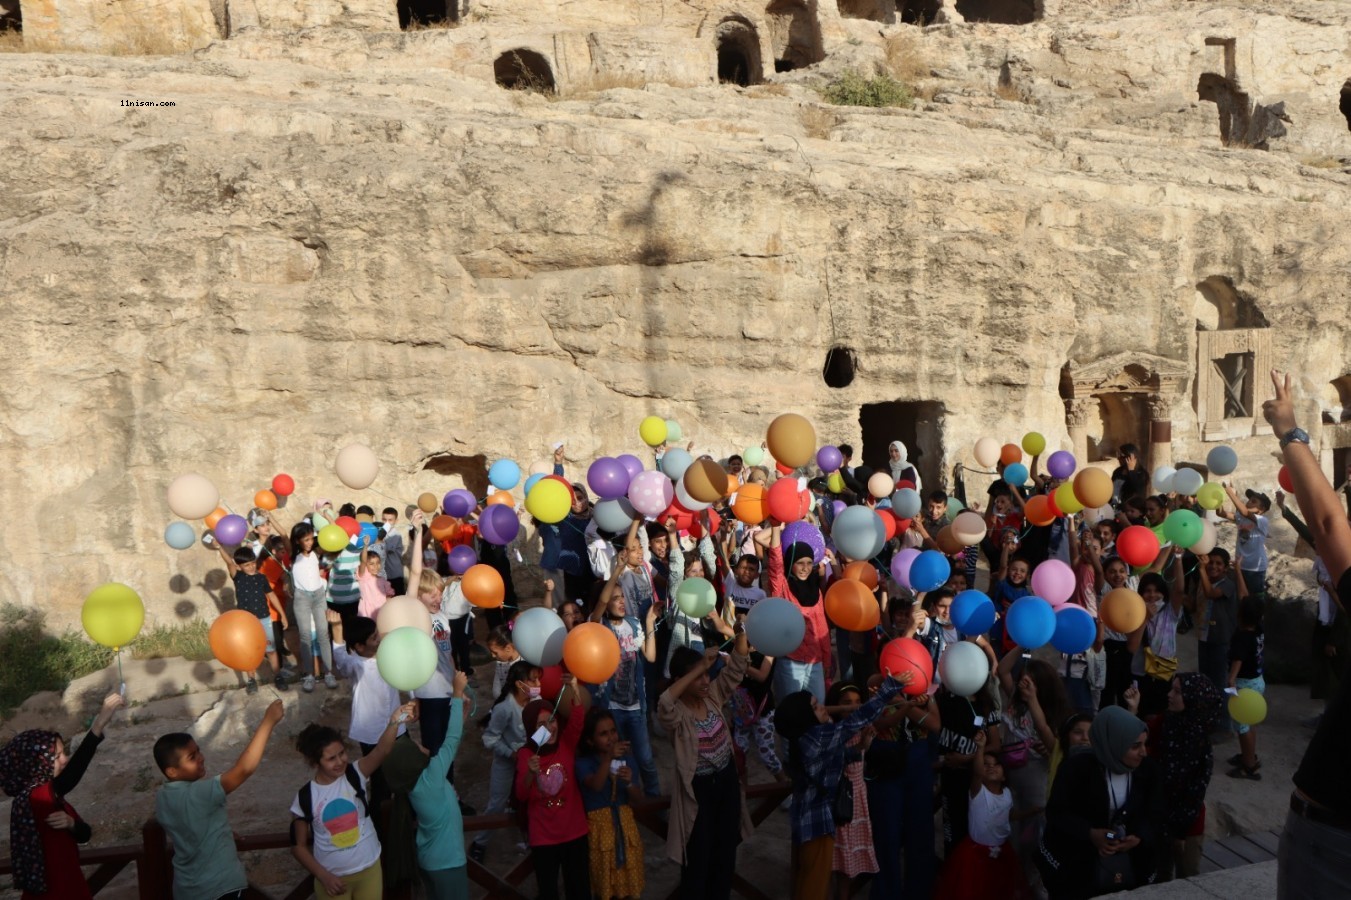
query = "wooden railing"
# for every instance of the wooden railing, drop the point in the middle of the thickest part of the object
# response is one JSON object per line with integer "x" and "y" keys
{"x": 154, "y": 869}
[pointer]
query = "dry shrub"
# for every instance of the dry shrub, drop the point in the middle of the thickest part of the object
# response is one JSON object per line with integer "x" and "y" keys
{"x": 443, "y": 25}
{"x": 1321, "y": 162}
{"x": 1007, "y": 91}
{"x": 11, "y": 41}
{"x": 767, "y": 90}
{"x": 596, "y": 82}
{"x": 817, "y": 121}
{"x": 905, "y": 59}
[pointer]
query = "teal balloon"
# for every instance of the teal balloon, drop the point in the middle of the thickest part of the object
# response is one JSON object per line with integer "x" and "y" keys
{"x": 1183, "y": 527}
{"x": 504, "y": 474}
{"x": 696, "y": 597}
{"x": 954, "y": 506}
{"x": 406, "y": 658}
{"x": 532, "y": 481}
{"x": 1016, "y": 474}
{"x": 180, "y": 535}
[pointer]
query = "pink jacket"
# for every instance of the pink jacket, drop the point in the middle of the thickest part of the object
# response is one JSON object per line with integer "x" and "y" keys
{"x": 816, "y": 644}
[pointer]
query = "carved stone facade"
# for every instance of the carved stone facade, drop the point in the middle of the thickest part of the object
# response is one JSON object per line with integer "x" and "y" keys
{"x": 1230, "y": 368}
{"x": 1123, "y": 386}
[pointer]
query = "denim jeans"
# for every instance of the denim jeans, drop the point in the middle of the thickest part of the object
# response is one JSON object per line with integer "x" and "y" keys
{"x": 632, "y": 727}
{"x": 310, "y": 609}
{"x": 791, "y": 676}
{"x": 500, "y": 781}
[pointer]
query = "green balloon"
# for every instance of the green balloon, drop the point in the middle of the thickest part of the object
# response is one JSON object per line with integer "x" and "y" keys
{"x": 406, "y": 658}
{"x": 1183, "y": 527}
{"x": 753, "y": 456}
{"x": 696, "y": 597}
{"x": 954, "y": 507}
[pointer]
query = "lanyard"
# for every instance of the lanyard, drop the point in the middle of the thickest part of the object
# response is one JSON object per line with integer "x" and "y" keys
{"x": 1120, "y": 807}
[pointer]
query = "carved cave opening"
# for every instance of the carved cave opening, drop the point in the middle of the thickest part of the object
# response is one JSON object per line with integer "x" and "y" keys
{"x": 423, "y": 13}
{"x": 523, "y": 70}
{"x": 1123, "y": 418}
{"x": 919, "y": 12}
{"x": 873, "y": 10}
{"x": 11, "y": 16}
{"x": 471, "y": 470}
{"x": 1345, "y": 104}
{"x": 999, "y": 12}
{"x": 917, "y": 424}
{"x": 794, "y": 35}
{"x": 738, "y": 52}
{"x": 838, "y": 371}
{"x": 1220, "y": 307}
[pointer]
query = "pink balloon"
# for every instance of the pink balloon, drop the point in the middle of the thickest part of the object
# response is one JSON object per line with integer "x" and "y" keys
{"x": 900, "y": 566}
{"x": 1053, "y": 581}
{"x": 651, "y": 493}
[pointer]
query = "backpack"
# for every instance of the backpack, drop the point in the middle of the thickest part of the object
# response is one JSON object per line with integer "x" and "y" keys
{"x": 306, "y": 801}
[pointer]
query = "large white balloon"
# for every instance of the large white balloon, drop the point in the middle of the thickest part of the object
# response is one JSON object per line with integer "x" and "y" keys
{"x": 963, "y": 668}
{"x": 193, "y": 496}
{"x": 356, "y": 466}
{"x": 538, "y": 635}
{"x": 1188, "y": 481}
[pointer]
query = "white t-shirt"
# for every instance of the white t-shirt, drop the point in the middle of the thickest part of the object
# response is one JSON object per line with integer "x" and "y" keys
{"x": 988, "y": 817}
{"x": 624, "y": 684}
{"x": 442, "y": 680}
{"x": 742, "y": 597}
{"x": 373, "y": 700}
{"x": 1118, "y": 791}
{"x": 305, "y": 573}
{"x": 344, "y": 835}
{"x": 453, "y": 602}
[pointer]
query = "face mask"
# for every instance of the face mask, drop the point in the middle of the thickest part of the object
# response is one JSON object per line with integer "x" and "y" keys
{"x": 532, "y": 692}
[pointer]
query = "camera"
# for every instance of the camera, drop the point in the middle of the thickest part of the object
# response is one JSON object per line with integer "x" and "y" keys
{"x": 1117, "y": 830}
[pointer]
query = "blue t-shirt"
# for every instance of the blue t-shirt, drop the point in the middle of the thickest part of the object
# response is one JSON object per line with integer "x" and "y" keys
{"x": 205, "y": 861}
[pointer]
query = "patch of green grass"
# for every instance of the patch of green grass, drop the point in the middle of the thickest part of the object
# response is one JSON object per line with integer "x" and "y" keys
{"x": 188, "y": 640}
{"x": 881, "y": 90}
{"x": 33, "y": 660}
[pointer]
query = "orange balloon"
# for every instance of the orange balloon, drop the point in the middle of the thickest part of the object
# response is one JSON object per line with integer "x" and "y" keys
{"x": 1010, "y": 454}
{"x": 502, "y": 497}
{"x": 948, "y": 542}
{"x": 219, "y": 513}
{"x": 442, "y": 527}
{"x": 1038, "y": 511}
{"x": 265, "y": 500}
{"x": 862, "y": 571}
{"x": 1122, "y": 610}
{"x": 237, "y": 640}
{"x": 483, "y": 586}
{"x": 732, "y": 485}
{"x": 850, "y": 605}
{"x": 1093, "y": 487}
{"x": 591, "y": 652}
{"x": 426, "y": 502}
{"x": 752, "y": 504}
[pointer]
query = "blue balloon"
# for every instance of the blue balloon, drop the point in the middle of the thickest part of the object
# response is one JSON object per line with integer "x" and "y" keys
{"x": 180, "y": 535}
{"x": 532, "y": 481}
{"x": 929, "y": 571}
{"x": 1075, "y": 630}
{"x": 858, "y": 533}
{"x": 1222, "y": 460}
{"x": 972, "y": 612}
{"x": 504, "y": 474}
{"x": 368, "y": 530}
{"x": 1030, "y": 622}
{"x": 1016, "y": 474}
{"x": 905, "y": 503}
{"x": 674, "y": 462}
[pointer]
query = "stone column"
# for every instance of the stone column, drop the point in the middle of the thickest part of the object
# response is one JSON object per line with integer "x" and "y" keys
{"x": 1160, "y": 432}
{"x": 1078, "y": 412}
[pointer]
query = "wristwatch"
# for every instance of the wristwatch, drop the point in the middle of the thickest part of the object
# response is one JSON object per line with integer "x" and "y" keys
{"x": 1295, "y": 436}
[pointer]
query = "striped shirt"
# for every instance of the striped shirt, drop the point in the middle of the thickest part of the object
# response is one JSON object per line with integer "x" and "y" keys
{"x": 715, "y": 745}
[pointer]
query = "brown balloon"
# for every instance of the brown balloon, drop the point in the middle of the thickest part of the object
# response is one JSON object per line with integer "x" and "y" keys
{"x": 1122, "y": 610}
{"x": 792, "y": 440}
{"x": 426, "y": 502}
{"x": 705, "y": 480}
{"x": 948, "y": 542}
{"x": 442, "y": 528}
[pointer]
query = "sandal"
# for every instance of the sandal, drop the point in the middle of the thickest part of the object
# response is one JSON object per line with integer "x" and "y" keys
{"x": 1245, "y": 773}
{"x": 1237, "y": 760}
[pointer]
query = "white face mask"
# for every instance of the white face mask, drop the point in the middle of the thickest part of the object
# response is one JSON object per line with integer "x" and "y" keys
{"x": 532, "y": 692}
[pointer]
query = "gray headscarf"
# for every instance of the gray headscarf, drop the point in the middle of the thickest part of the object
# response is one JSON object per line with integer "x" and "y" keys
{"x": 1112, "y": 733}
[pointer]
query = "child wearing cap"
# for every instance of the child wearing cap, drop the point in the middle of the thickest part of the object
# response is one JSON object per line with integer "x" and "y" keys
{"x": 1250, "y": 516}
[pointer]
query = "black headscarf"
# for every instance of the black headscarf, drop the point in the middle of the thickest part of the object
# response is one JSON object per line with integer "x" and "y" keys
{"x": 1185, "y": 751}
{"x": 807, "y": 592}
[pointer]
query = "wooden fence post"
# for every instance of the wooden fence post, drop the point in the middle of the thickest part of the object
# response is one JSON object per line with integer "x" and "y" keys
{"x": 154, "y": 872}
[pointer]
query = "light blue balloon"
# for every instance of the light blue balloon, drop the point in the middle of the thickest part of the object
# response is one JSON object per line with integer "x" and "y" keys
{"x": 538, "y": 635}
{"x": 929, "y": 571}
{"x": 675, "y": 462}
{"x": 856, "y": 533}
{"x": 1030, "y": 622}
{"x": 180, "y": 535}
{"x": 673, "y": 431}
{"x": 532, "y": 481}
{"x": 906, "y": 503}
{"x": 504, "y": 474}
{"x": 1222, "y": 460}
{"x": 613, "y": 515}
{"x": 1016, "y": 474}
{"x": 775, "y": 627}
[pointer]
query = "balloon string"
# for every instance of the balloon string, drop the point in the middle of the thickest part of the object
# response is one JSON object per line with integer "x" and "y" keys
{"x": 121, "y": 679}
{"x": 978, "y": 471}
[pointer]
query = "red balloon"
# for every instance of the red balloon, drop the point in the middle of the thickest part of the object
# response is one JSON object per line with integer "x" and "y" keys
{"x": 1137, "y": 546}
{"x": 697, "y": 528}
{"x": 786, "y": 503}
{"x": 908, "y": 655}
{"x": 349, "y": 525}
{"x": 1285, "y": 481}
{"x": 1052, "y": 507}
{"x": 551, "y": 682}
{"x": 888, "y": 522}
{"x": 783, "y": 470}
{"x": 905, "y": 483}
{"x": 283, "y": 485}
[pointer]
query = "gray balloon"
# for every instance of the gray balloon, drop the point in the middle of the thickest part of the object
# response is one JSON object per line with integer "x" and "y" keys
{"x": 775, "y": 627}
{"x": 675, "y": 462}
{"x": 538, "y": 636}
{"x": 905, "y": 503}
{"x": 614, "y": 515}
{"x": 1188, "y": 481}
{"x": 858, "y": 533}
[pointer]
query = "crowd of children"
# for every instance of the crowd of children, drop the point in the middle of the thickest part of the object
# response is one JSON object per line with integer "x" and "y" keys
{"x": 1049, "y": 779}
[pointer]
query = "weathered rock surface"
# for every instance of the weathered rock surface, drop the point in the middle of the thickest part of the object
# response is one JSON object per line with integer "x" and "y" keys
{"x": 342, "y": 235}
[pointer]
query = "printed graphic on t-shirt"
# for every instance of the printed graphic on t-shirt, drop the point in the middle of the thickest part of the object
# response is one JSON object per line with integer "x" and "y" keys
{"x": 342, "y": 821}
{"x": 440, "y": 634}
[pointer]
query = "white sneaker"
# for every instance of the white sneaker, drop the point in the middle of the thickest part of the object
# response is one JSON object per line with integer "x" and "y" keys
{"x": 329, "y": 681}
{"x": 307, "y": 683}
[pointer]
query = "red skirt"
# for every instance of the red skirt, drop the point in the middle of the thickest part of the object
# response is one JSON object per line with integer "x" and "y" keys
{"x": 970, "y": 871}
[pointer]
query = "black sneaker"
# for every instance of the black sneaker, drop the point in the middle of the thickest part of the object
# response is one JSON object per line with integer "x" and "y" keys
{"x": 251, "y": 687}
{"x": 1237, "y": 760}
{"x": 1246, "y": 774}
{"x": 467, "y": 810}
{"x": 477, "y": 852}
{"x": 281, "y": 683}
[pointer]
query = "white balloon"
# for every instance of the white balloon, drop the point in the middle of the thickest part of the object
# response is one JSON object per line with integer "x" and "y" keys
{"x": 356, "y": 466}
{"x": 538, "y": 635}
{"x": 1163, "y": 479}
{"x": 193, "y": 496}
{"x": 1188, "y": 482}
{"x": 1208, "y": 538}
{"x": 687, "y": 501}
{"x": 963, "y": 668}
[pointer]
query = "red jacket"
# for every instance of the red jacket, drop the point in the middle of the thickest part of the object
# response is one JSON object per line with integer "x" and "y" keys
{"x": 562, "y": 817}
{"x": 816, "y": 646}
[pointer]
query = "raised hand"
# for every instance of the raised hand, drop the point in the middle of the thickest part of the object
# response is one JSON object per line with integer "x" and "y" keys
{"x": 1280, "y": 411}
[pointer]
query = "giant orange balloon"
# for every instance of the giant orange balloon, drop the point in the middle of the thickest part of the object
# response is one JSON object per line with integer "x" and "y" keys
{"x": 751, "y": 504}
{"x": 237, "y": 640}
{"x": 786, "y": 503}
{"x": 1010, "y": 454}
{"x": 1093, "y": 487}
{"x": 1037, "y": 512}
{"x": 505, "y": 499}
{"x": 1122, "y": 610}
{"x": 216, "y": 515}
{"x": 265, "y": 500}
{"x": 591, "y": 652}
{"x": 850, "y": 605}
{"x": 442, "y": 528}
{"x": 483, "y": 586}
{"x": 863, "y": 571}
{"x": 792, "y": 440}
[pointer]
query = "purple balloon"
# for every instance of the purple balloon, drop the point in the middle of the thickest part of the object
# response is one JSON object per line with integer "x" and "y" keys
{"x": 231, "y": 530}
{"x": 461, "y": 558}
{"x": 838, "y": 507}
{"x": 829, "y": 458}
{"x": 458, "y": 503}
{"x": 632, "y": 464}
{"x": 900, "y": 566}
{"x": 498, "y": 524}
{"x": 1060, "y": 464}
{"x": 805, "y": 533}
{"x": 608, "y": 478}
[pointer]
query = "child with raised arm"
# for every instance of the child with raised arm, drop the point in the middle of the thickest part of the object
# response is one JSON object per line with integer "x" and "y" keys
{"x": 371, "y": 583}
{"x": 605, "y": 771}
{"x": 191, "y": 807}
{"x": 984, "y": 864}
{"x": 254, "y": 595}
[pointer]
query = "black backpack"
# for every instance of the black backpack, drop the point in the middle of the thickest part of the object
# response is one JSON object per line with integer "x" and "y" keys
{"x": 307, "y": 802}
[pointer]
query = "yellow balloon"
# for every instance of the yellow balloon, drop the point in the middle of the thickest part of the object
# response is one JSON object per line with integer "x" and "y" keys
{"x": 1248, "y": 707}
{"x": 332, "y": 538}
{"x": 550, "y": 501}
{"x": 1211, "y": 496}
{"x": 1065, "y": 500}
{"x": 835, "y": 481}
{"x": 653, "y": 432}
{"x": 1033, "y": 443}
{"x": 112, "y": 614}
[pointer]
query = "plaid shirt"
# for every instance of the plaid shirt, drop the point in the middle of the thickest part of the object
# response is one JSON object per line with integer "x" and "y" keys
{"x": 822, "y": 753}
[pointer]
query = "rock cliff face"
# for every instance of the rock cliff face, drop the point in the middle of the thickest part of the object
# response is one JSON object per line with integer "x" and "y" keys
{"x": 352, "y": 234}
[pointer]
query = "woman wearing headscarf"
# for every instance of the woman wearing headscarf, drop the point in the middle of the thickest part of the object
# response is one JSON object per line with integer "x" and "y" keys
{"x": 1104, "y": 818}
{"x": 1180, "y": 740}
{"x": 901, "y": 470}
{"x": 44, "y": 830}
{"x": 794, "y": 575}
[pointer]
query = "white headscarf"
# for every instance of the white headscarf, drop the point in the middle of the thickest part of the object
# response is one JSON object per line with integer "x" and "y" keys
{"x": 899, "y": 466}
